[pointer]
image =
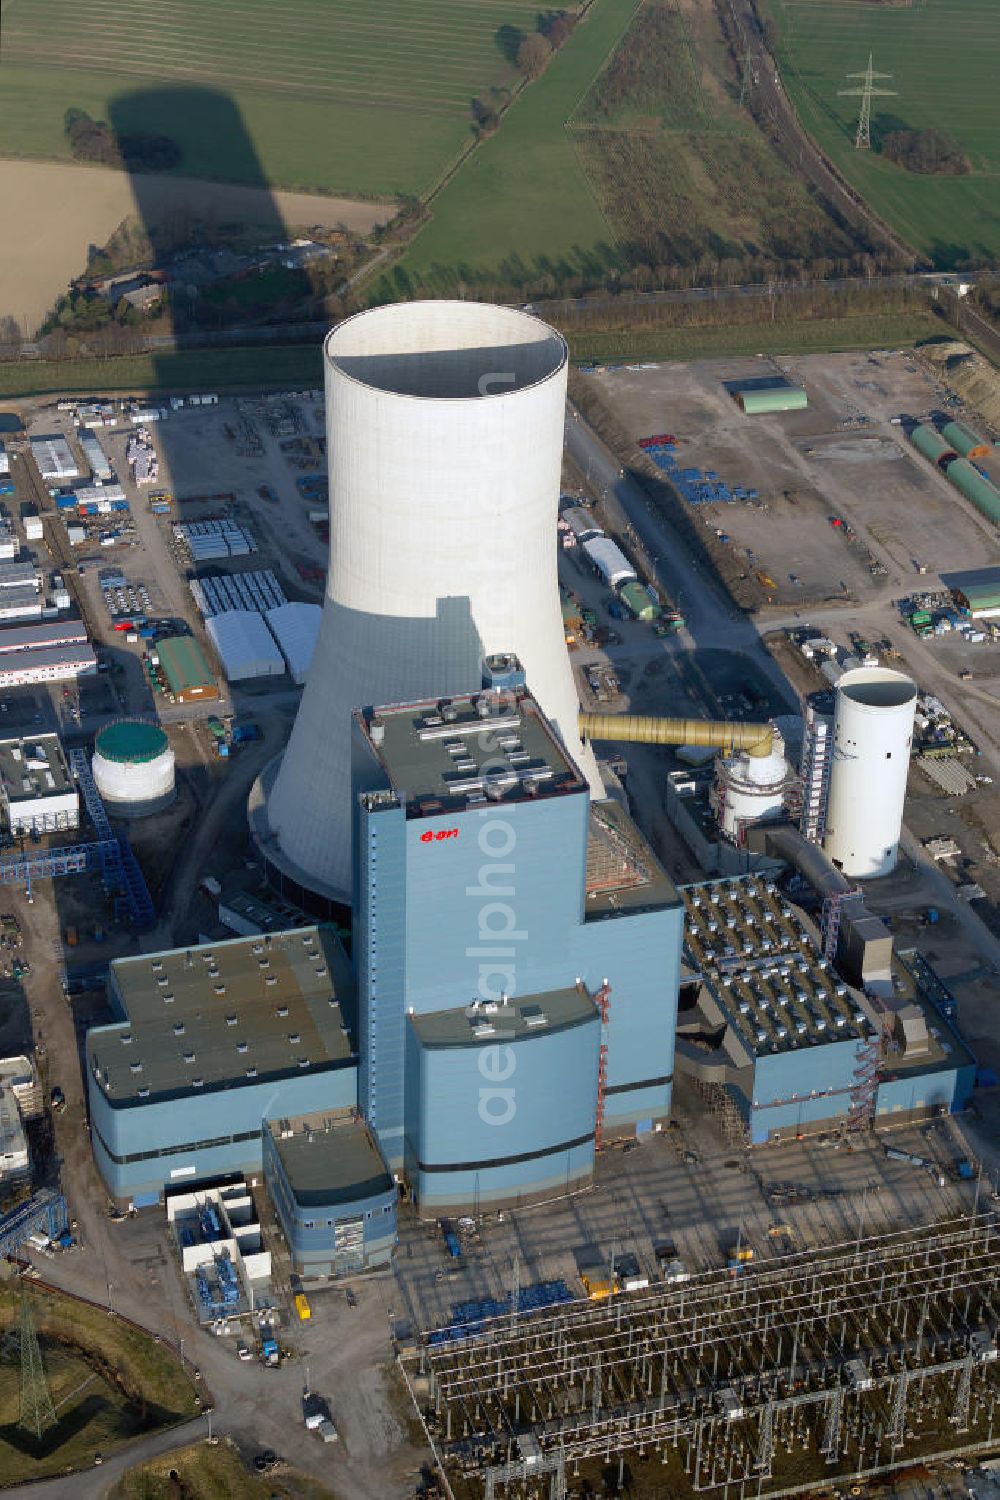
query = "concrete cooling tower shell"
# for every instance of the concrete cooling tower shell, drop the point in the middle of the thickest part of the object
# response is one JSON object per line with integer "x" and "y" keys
{"x": 872, "y": 731}
{"x": 445, "y": 435}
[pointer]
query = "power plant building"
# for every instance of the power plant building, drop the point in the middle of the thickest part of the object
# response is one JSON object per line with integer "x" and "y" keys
{"x": 779, "y": 1041}
{"x": 492, "y": 901}
{"x": 208, "y": 1043}
{"x": 445, "y": 433}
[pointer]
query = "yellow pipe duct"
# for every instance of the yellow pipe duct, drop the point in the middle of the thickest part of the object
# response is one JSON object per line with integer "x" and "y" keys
{"x": 638, "y": 729}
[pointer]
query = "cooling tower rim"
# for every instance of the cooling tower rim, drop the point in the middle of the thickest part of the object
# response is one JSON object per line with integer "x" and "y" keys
{"x": 446, "y": 313}
{"x": 877, "y": 689}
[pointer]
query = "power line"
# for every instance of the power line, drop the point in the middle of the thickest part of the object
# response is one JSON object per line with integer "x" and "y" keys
{"x": 866, "y": 91}
{"x": 37, "y": 1412}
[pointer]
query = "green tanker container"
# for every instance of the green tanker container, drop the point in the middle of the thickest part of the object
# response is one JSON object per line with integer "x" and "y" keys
{"x": 758, "y": 403}
{"x": 928, "y": 441}
{"x": 984, "y": 495}
{"x": 966, "y": 442}
{"x": 638, "y": 603}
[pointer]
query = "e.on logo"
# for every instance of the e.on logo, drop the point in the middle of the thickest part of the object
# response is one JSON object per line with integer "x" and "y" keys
{"x": 435, "y": 837}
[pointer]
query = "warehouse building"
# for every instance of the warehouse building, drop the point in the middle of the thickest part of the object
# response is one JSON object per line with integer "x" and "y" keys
{"x": 977, "y": 592}
{"x": 37, "y": 790}
{"x": 334, "y": 1197}
{"x": 769, "y": 1027}
{"x": 21, "y": 604}
{"x": 295, "y": 627}
{"x": 476, "y": 967}
{"x": 54, "y": 458}
{"x": 19, "y": 575}
{"x": 185, "y": 671}
{"x": 209, "y": 1043}
{"x": 244, "y": 645}
{"x": 767, "y": 395}
{"x": 46, "y": 664}
{"x": 608, "y": 561}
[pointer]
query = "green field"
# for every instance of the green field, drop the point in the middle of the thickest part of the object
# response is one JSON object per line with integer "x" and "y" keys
{"x": 264, "y": 368}
{"x": 521, "y": 206}
{"x": 335, "y": 95}
{"x": 942, "y": 55}
{"x": 810, "y": 336}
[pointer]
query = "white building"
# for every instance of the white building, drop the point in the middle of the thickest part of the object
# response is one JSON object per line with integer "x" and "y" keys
{"x": 38, "y": 792}
{"x": 95, "y": 455}
{"x": 18, "y": 575}
{"x": 20, "y": 604}
{"x": 54, "y": 457}
{"x": 9, "y": 545}
{"x": 445, "y": 437}
{"x": 32, "y": 523}
{"x": 47, "y": 633}
{"x": 295, "y": 627}
{"x": 46, "y": 664}
{"x": 244, "y": 645}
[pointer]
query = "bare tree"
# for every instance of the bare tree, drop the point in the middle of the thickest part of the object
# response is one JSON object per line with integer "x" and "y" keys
{"x": 533, "y": 54}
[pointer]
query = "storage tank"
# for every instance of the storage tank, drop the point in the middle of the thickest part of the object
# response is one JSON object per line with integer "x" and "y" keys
{"x": 928, "y": 441}
{"x": 872, "y": 731}
{"x": 133, "y": 768}
{"x": 445, "y": 436}
{"x": 751, "y": 788}
{"x": 966, "y": 442}
{"x": 975, "y": 487}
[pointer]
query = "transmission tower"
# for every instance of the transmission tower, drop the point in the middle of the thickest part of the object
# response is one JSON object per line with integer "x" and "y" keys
{"x": 866, "y": 90}
{"x": 37, "y": 1412}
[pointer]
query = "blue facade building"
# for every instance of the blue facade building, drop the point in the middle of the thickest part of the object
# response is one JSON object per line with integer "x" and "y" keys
{"x": 492, "y": 901}
{"x": 210, "y": 1042}
{"x": 333, "y": 1195}
{"x": 767, "y": 1020}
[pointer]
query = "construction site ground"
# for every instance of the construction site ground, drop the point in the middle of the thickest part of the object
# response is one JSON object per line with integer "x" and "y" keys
{"x": 843, "y": 457}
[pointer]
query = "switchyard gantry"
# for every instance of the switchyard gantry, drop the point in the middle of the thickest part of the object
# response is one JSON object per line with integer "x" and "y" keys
{"x": 848, "y": 1357}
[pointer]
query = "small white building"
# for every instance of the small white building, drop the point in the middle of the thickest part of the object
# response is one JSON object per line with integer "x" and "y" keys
{"x": 37, "y": 790}
{"x": 4, "y": 460}
{"x": 95, "y": 455}
{"x": 9, "y": 546}
{"x": 32, "y": 523}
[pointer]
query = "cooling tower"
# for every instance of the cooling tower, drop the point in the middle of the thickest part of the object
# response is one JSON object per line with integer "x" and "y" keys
{"x": 872, "y": 730}
{"x": 445, "y": 435}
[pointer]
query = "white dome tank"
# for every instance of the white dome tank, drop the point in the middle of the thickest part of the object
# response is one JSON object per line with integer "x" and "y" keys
{"x": 133, "y": 768}
{"x": 445, "y": 434}
{"x": 872, "y": 731}
{"x": 751, "y": 788}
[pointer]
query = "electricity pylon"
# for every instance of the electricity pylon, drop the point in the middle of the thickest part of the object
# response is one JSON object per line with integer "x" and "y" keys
{"x": 867, "y": 91}
{"x": 37, "y": 1412}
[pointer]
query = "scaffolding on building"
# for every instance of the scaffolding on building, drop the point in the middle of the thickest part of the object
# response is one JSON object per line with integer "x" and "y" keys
{"x": 603, "y": 1002}
{"x": 817, "y": 759}
{"x": 836, "y": 1353}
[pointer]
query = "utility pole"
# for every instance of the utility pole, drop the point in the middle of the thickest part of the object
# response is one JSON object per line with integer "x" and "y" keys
{"x": 37, "y": 1412}
{"x": 866, "y": 91}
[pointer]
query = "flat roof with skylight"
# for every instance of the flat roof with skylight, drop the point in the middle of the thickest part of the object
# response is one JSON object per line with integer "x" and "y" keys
{"x": 489, "y": 746}
{"x": 524, "y": 1016}
{"x": 34, "y": 767}
{"x": 225, "y": 1015}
